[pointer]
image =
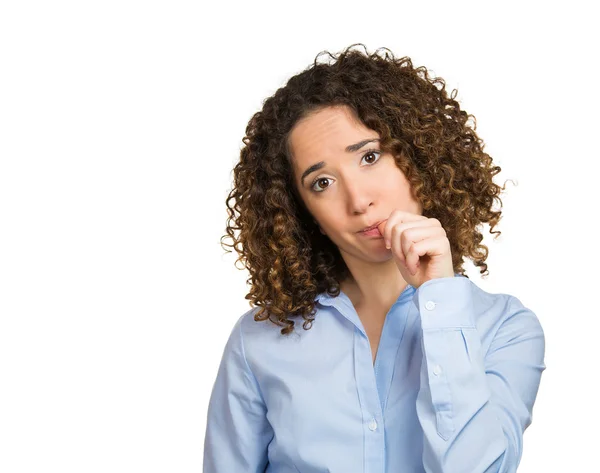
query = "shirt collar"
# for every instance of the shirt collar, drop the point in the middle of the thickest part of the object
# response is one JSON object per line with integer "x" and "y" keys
{"x": 344, "y": 305}
{"x": 325, "y": 299}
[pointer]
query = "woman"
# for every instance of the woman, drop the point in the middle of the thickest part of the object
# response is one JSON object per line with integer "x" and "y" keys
{"x": 402, "y": 364}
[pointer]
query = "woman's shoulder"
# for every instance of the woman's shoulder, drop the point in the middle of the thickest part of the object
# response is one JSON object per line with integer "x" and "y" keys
{"x": 263, "y": 333}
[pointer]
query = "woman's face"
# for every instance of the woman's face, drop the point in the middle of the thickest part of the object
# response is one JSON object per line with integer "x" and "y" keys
{"x": 353, "y": 188}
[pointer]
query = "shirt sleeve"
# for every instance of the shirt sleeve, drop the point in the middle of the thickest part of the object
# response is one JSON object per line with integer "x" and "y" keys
{"x": 237, "y": 430}
{"x": 474, "y": 407}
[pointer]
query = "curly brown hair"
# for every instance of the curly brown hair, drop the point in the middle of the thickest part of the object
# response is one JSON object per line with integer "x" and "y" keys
{"x": 289, "y": 260}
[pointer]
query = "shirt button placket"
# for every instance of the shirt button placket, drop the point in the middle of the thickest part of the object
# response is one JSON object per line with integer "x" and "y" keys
{"x": 372, "y": 417}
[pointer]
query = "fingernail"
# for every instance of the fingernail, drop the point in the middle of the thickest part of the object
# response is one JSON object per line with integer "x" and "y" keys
{"x": 387, "y": 244}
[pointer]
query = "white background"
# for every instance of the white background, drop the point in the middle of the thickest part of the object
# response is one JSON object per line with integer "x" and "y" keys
{"x": 120, "y": 123}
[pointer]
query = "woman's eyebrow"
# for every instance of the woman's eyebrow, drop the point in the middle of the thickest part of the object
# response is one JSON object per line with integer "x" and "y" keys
{"x": 349, "y": 149}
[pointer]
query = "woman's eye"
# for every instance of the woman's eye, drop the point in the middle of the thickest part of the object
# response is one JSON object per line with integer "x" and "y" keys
{"x": 372, "y": 153}
{"x": 320, "y": 179}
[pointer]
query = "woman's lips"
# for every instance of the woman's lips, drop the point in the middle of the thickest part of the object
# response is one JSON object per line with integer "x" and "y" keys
{"x": 373, "y": 227}
{"x": 373, "y": 232}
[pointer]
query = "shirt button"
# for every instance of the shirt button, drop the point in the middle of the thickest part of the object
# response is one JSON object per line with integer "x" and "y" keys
{"x": 437, "y": 370}
{"x": 373, "y": 424}
{"x": 430, "y": 305}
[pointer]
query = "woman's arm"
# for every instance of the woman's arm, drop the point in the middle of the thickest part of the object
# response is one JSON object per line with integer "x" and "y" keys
{"x": 237, "y": 430}
{"x": 474, "y": 407}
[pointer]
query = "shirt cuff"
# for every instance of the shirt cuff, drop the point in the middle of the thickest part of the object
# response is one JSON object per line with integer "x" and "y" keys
{"x": 445, "y": 303}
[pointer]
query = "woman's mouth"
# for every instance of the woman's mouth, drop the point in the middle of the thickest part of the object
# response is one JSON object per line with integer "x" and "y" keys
{"x": 372, "y": 232}
{"x": 372, "y": 227}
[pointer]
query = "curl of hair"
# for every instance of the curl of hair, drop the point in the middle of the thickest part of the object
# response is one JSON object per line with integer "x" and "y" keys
{"x": 290, "y": 262}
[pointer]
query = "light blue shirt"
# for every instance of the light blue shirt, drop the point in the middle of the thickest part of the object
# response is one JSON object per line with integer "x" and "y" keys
{"x": 452, "y": 389}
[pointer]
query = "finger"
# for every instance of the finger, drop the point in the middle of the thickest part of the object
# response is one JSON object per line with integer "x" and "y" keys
{"x": 414, "y": 234}
{"x": 405, "y": 239}
{"x": 428, "y": 246}
{"x": 399, "y": 229}
{"x": 396, "y": 217}
{"x": 401, "y": 244}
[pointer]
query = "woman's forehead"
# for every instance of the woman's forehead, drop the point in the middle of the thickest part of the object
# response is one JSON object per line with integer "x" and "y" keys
{"x": 327, "y": 131}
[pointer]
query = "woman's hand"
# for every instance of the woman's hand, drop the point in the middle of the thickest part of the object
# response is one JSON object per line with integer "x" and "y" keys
{"x": 419, "y": 246}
